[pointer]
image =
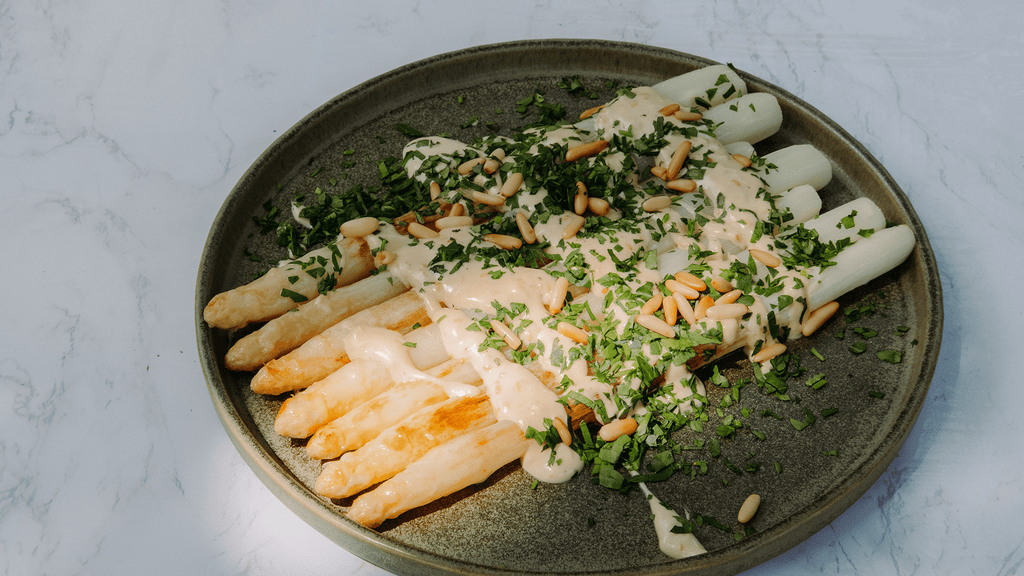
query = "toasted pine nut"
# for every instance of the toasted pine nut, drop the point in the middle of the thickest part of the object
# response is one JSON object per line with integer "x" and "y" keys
{"x": 458, "y": 209}
{"x": 653, "y": 304}
{"x": 678, "y": 159}
{"x": 768, "y": 352}
{"x": 612, "y": 430}
{"x": 491, "y": 165}
{"x": 655, "y": 324}
{"x": 726, "y": 311}
{"x": 692, "y": 280}
{"x": 683, "y": 185}
{"x": 580, "y": 202}
{"x": 525, "y": 228}
{"x": 360, "y": 227}
{"x": 701, "y": 309}
{"x": 418, "y": 230}
{"x": 489, "y": 199}
{"x": 574, "y": 333}
{"x": 563, "y": 431}
{"x": 729, "y": 297}
{"x": 749, "y": 508}
{"x": 453, "y": 222}
{"x": 384, "y": 257}
{"x": 743, "y": 160}
{"x": 656, "y": 203}
{"x": 574, "y": 225}
{"x": 598, "y": 206}
{"x": 435, "y": 190}
{"x": 511, "y": 185}
{"x": 671, "y": 310}
{"x": 685, "y": 116}
{"x": 586, "y": 150}
{"x": 685, "y": 309}
{"x": 686, "y": 291}
{"x": 558, "y": 293}
{"x": 506, "y": 333}
{"x": 590, "y": 112}
{"x": 504, "y": 241}
{"x": 466, "y": 167}
{"x": 659, "y": 171}
{"x": 721, "y": 284}
{"x": 817, "y": 318}
{"x": 669, "y": 110}
{"x": 767, "y": 258}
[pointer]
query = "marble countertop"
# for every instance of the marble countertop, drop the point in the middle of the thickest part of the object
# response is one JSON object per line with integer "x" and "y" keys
{"x": 123, "y": 126}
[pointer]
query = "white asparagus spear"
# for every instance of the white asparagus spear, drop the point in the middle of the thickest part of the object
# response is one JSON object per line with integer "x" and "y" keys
{"x": 797, "y": 165}
{"x": 749, "y": 118}
{"x": 325, "y": 353}
{"x": 400, "y": 445}
{"x": 362, "y": 424}
{"x": 803, "y": 201}
{"x": 466, "y": 460}
{"x": 355, "y": 383}
{"x": 263, "y": 298}
{"x": 286, "y": 333}
{"x": 866, "y": 216}
{"x": 721, "y": 81}
{"x": 861, "y": 263}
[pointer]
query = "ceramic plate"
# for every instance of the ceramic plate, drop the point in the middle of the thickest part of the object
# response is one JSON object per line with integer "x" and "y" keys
{"x": 507, "y": 526}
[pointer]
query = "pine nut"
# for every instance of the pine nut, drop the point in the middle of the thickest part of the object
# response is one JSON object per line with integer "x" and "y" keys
{"x": 726, "y": 311}
{"x": 510, "y": 338}
{"x": 653, "y": 304}
{"x": 669, "y": 110}
{"x": 656, "y": 203}
{"x": 458, "y": 209}
{"x": 598, "y": 206}
{"x": 590, "y": 112}
{"x": 512, "y": 184}
{"x": 420, "y": 231}
{"x": 571, "y": 332}
{"x": 659, "y": 171}
{"x": 678, "y": 159}
{"x": 435, "y": 190}
{"x": 563, "y": 431}
{"x": 574, "y": 225}
{"x": 729, "y": 297}
{"x": 525, "y": 228}
{"x": 749, "y": 508}
{"x": 685, "y": 309}
{"x": 612, "y": 430}
{"x": 685, "y": 116}
{"x": 743, "y": 160}
{"x": 491, "y": 165}
{"x": 686, "y": 291}
{"x": 655, "y": 324}
{"x": 384, "y": 257}
{"x": 466, "y": 167}
{"x": 671, "y": 310}
{"x": 488, "y": 199}
{"x": 586, "y": 150}
{"x": 360, "y": 227}
{"x": 721, "y": 284}
{"x": 580, "y": 202}
{"x": 692, "y": 280}
{"x": 701, "y": 309}
{"x": 817, "y": 318}
{"x": 767, "y": 258}
{"x": 683, "y": 185}
{"x": 558, "y": 293}
{"x": 453, "y": 222}
{"x": 499, "y": 154}
{"x": 504, "y": 241}
{"x": 768, "y": 352}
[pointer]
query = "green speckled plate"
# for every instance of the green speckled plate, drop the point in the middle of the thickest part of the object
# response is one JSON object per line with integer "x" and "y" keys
{"x": 505, "y": 526}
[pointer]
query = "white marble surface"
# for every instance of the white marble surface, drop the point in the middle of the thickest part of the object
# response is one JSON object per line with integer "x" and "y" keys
{"x": 123, "y": 125}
